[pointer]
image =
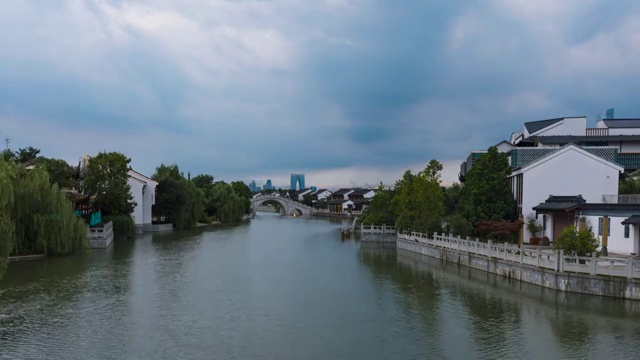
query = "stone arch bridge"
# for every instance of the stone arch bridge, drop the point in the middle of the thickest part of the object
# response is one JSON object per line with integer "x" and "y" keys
{"x": 290, "y": 207}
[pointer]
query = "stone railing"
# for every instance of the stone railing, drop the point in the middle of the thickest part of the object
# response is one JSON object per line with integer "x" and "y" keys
{"x": 377, "y": 229}
{"x": 100, "y": 237}
{"x": 547, "y": 259}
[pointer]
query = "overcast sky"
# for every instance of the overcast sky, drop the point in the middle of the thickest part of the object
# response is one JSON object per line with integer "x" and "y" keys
{"x": 349, "y": 92}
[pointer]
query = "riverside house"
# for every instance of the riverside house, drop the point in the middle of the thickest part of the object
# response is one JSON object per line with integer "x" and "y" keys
{"x": 361, "y": 198}
{"x": 143, "y": 190}
{"x": 340, "y": 200}
{"x": 562, "y": 159}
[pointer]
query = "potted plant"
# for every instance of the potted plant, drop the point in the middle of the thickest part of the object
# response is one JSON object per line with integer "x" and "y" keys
{"x": 534, "y": 229}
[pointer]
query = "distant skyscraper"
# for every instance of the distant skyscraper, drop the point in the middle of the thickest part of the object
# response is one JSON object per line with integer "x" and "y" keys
{"x": 297, "y": 179}
{"x": 609, "y": 114}
{"x": 253, "y": 187}
{"x": 268, "y": 186}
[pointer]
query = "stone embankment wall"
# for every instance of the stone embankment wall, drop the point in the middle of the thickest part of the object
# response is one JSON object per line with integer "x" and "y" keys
{"x": 613, "y": 286}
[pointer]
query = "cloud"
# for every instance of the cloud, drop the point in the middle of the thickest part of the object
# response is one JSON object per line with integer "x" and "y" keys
{"x": 339, "y": 89}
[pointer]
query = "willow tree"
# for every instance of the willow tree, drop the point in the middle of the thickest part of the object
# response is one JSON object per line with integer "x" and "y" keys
{"x": 229, "y": 205}
{"x": 36, "y": 217}
{"x": 7, "y": 224}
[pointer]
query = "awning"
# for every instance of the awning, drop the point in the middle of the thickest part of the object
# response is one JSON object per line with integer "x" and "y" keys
{"x": 560, "y": 203}
{"x": 632, "y": 220}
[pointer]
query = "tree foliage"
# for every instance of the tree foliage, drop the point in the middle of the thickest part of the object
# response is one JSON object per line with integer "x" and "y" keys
{"x": 499, "y": 230}
{"x": 629, "y": 186}
{"x": 577, "y": 241}
{"x": 419, "y": 201}
{"x": 177, "y": 198}
{"x": 486, "y": 194}
{"x": 203, "y": 180}
{"x": 35, "y": 216}
{"x": 244, "y": 193}
{"x": 381, "y": 210}
{"x": 229, "y": 206}
{"x": 27, "y": 154}
{"x": 60, "y": 173}
{"x": 107, "y": 177}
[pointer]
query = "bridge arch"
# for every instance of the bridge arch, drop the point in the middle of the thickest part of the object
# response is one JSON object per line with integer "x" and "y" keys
{"x": 289, "y": 206}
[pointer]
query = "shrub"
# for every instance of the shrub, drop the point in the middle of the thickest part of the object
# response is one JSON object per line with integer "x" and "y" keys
{"x": 502, "y": 230}
{"x": 123, "y": 225}
{"x": 577, "y": 242}
{"x": 532, "y": 226}
{"x": 458, "y": 225}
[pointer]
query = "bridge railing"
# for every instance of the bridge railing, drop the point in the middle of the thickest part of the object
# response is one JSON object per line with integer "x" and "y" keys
{"x": 554, "y": 260}
{"x": 279, "y": 198}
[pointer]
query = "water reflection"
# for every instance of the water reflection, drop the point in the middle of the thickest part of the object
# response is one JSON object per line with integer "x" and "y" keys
{"x": 495, "y": 317}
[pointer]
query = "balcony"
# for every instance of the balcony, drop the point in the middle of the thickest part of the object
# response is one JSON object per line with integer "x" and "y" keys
{"x": 597, "y": 131}
{"x": 621, "y": 199}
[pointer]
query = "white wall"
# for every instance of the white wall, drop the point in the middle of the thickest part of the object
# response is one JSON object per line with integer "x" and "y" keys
{"x": 629, "y": 147}
{"x": 323, "y": 195}
{"x": 136, "y": 192}
{"x": 624, "y": 131}
{"x": 149, "y": 200}
{"x": 573, "y": 126}
{"x": 370, "y": 194}
{"x": 504, "y": 147}
{"x": 570, "y": 173}
{"x": 617, "y": 243}
{"x": 143, "y": 191}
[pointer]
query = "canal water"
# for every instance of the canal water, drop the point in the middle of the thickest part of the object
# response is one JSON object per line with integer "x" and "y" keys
{"x": 285, "y": 288}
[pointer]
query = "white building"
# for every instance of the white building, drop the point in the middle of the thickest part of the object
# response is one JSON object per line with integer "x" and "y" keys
{"x": 567, "y": 171}
{"x": 143, "y": 190}
{"x": 622, "y": 231}
{"x": 320, "y": 194}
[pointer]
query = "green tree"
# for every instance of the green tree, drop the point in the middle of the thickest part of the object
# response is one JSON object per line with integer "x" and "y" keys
{"x": 428, "y": 199}
{"x": 629, "y": 186}
{"x": 381, "y": 210}
{"x": 107, "y": 177}
{"x": 205, "y": 183}
{"x": 404, "y": 202}
{"x": 177, "y": 198}
{"x": 577, "y": 241}
{"x": 27, "y": 154}
{"x": 8, "y": 155}
{"x": 244, "y": 193}
{"x": 307, "y": 200}
{"x": 60, "y": 173}
{"x": 35, "y": 216}
{"x": 203, "y": 180}
{"x": 458, "y": 225}
{"x": 228, "y": 204}
{"x": 452, "y": 198}
{"x": 486, "y": 194}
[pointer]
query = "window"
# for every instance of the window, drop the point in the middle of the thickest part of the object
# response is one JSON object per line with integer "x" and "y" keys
{"x": 600, "y": 220}
{"x": 544, "y": 223}
{"x": 626, "y": 231}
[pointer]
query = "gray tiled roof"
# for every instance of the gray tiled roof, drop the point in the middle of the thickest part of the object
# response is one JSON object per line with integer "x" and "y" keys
{"x": 533, "y": 126}
{"x": 556, "y": 203}
{"x": 622, "y": 123}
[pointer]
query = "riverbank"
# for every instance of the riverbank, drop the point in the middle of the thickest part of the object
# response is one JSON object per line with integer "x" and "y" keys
{"x": 333, "y": 215}
{"x": 533, "y": 268}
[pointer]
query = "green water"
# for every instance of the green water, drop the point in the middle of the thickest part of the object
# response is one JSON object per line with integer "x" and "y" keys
{"x": 284, "y": 288}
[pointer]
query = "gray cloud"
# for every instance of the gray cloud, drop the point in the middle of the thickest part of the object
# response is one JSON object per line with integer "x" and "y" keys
{"x": 243, "y": 88}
